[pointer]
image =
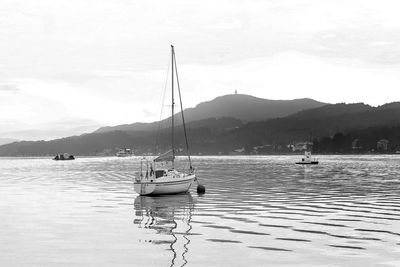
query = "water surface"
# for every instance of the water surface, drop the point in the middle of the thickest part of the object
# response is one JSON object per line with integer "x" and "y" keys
{"x": 257, "y": 211}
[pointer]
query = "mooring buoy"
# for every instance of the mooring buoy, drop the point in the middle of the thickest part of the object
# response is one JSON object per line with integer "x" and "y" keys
{"x": 201, "y": 189}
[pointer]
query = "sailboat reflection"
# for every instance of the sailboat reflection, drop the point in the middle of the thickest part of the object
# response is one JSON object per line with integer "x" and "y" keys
{"x": 169, "y": 215}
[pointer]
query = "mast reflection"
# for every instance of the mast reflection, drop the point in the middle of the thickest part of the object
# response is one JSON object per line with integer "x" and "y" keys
{"x": 168, "y": 215}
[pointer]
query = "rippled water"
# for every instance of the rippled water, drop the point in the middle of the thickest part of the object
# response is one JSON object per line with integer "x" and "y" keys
{"x": 257, "y": 211}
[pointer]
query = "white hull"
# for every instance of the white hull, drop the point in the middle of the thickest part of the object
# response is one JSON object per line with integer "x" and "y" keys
{"x": 126, "y": 152}
{"x": 166, "y": 187}
{"x": 307, "y": 160}
{"x": 124, "y": 155}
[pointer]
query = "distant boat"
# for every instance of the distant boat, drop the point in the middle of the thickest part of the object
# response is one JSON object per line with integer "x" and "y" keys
{"x": 307, "y": 160}
{"x": 64, "y": 156}
{"x": 166, "y": 181}
{"x": 126, "y": 152}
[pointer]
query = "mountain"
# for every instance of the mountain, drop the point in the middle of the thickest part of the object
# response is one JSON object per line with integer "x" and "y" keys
{"x": 332, "y": 110}
{"x": 107, "y": 143}
{"x": 48, "y": 130}
{"x": 345, "y": 117}
{"x": 225, "y": 135}
{"x": 242, "y": 107}
{"x": 392, "y": 105}
{"x": 360, "y": 141}
{"x": 4, "y": 141}
{"x": 249, "y": 108}
{"x": 87, "y": 144}
{"x": 321, "y": 122}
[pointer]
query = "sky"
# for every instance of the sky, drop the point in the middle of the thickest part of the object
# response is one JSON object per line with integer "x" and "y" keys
{"x": 70, "y": 66}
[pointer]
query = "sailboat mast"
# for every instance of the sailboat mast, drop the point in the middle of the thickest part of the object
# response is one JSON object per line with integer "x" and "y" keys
{"x": 183, "y": 117}
{"x": 172, "y": 115}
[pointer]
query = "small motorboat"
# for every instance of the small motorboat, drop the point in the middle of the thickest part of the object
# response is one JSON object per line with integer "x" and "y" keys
{"x": 64, "y": 156}
{"x": 126, "y": 152}
{"x": 307, "y": 160}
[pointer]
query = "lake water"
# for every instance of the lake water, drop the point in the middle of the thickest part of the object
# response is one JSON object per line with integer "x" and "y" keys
{"x": 257, "y": 211}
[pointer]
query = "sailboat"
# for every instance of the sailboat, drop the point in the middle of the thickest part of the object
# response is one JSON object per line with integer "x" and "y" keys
{"x": 153, "y": 181}
{"x": 307, "y": 160}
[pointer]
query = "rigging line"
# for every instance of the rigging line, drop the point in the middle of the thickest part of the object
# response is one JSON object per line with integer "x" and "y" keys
{"x": 162, "y": 108}
{"x": 173, "y": 103}
{"x": 183, "y": 117}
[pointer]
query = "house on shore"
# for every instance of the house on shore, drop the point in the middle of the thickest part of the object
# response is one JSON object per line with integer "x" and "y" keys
{"x": 355, "y": 145}
{"x": 301, "y": 146}
{"x": 382, "y": 145}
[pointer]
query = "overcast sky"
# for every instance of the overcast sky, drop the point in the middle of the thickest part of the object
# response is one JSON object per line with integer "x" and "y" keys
{"x": 68, "y": 67}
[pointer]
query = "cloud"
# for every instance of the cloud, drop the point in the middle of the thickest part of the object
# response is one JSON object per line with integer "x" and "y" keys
{"x": 106, "y": 60}
{"x": 231, "y": 25}
{"x": 149, "y": 114}
{"x": 116, "y": 35}
{"x": 376, "y": 45}
{"x": 62, "y": 127}
{"x": 9, "y": 88}
{"x": 292, "y": 75}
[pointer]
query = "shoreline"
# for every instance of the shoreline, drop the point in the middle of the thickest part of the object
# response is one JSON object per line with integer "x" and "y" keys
{"x": 209, "y": 155}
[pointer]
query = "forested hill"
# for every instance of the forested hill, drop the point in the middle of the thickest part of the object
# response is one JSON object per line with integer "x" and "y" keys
{"x": 242, "y": 107}
{"x": 321, "y": 122}
{"x": 4, "y": 141}
{"x": 230, "y": 135}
